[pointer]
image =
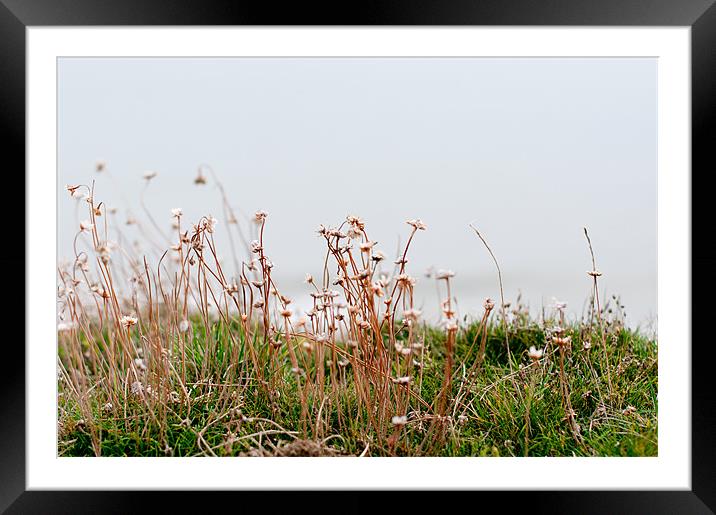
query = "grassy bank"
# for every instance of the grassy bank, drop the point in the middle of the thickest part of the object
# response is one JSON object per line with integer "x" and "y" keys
{"x": 167, "y": 353}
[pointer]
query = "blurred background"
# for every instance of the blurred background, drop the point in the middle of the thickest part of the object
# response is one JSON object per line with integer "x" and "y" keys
{"x": 529, "y": 150}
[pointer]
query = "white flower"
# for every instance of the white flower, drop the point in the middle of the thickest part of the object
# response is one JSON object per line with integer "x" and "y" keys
{"x": 137, "y": 388}
{"x": 488, "y": 304}
{"x": 412, "y": 314}
{"x": 444, "y": 274}
{"x": 417, "y": 224}
{"x": 377, "y": 256}
{"x": 177, "y": 212}
{"x": 128, "y": 321}
{"x": 594, "y": 273}
{"x": 534, "y": 353}
{"x": 309, "y": 278}
{"x": 149, "y": 175}
{"x": 587, "y": 345}
{"x": 401, "y": 380}
{"x": 210, "y": 223}
{"x": 560, "y": 306}
{"x": 399, "y": 420}
{"x": 184, "y": 325}
{"x": 139, "y": 363}
{"x": 260, "y": 216}
{"x": 86, "y": 226}
{"x": 100, "y": 165}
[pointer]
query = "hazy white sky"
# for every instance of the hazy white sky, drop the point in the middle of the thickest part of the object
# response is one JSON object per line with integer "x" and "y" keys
{"x": 531, "y": 150}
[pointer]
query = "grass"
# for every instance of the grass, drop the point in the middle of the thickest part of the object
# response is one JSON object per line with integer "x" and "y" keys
{"x": 190, "y": 360}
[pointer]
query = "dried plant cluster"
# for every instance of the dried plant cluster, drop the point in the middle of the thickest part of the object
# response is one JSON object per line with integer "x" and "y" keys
{"x": 164, "y": 351}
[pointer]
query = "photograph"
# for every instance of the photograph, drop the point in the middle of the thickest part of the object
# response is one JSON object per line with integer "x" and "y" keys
{"x": 357, "y": 257}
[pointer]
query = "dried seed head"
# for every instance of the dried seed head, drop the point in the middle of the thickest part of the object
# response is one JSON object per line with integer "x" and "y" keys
{"x": 200, "y": 179}
{"x": 177, "y": 212}
{"x": 86, "y": 226}
{"x": 100, "y": 166}
{"x": 149, "y": 175}
{"x": 184, "y": 325}
{"x": 489, "y": 304}
{"x": 594, "y": 273}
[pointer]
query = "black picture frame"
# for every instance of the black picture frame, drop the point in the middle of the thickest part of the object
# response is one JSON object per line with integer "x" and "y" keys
{"x": 700, "y": 15}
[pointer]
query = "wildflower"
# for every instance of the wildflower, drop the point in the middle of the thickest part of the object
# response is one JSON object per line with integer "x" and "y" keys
{"x": 629, "y": 410}
{"x": 86, "y": 226}
{"x": 259, "y": 303}
{"x": 149, "y": 175}
{"x": 412, "y": 314}
{"x": 401, "y": 380}
{"x": 139, "y": 363}
{"x": 417, "y": 224}
{"x": 377, "y": 256}
{"x": 260, "y": 216}
{"x": 184, "y": 325}
{"x": 587, "y": 345}
{"x": 108, "y": 407}
{"x": 488, "y": 304}
{"x": 399, "y": 420}
{"x": 177, "y": 212}
{"x": 71, "y": 189}
{"x": 367, "y": 245}
{"x": 100, "y": 166}
{"x": 286, "y": 313}
{"x": 535, "y": 354}
{"x": 594, "y": 273}
{"x": 137, "y": 388}
{"x": 128, "y": 321}
{"x": 562, "y": 340}
{"x": 309, "y": 279}
{"x": 404, "y": 280}
{"x": 462, "y": 419}
{"x": 451, "y": 326}
{"x": 444, "y": 274}
{"x": 130, "y": 221}
{"x": 356, "y": 222}
{"x": 210, "y": 223}
{"x": 256, "y": 247}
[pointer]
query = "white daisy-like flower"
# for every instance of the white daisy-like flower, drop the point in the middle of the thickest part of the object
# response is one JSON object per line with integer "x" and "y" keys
{"x": 86, "y": 226}
{"x": 128, "y": 321}
{"x": 149, "y": 175}
{"x": 399, "y": 420}
{"x": 534, "y": 354}
{"x": 401, "y": 380}
{"x": 260, "y": 216}
{"x": 184, "y": 325}
{"x": 444, "y": 274}
{"x": 177, "y": 212}
{"x": 488, "y": 304}
{"x": 137, "y": 388}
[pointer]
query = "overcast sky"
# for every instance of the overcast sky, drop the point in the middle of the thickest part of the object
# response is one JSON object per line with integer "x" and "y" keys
{"x": 531, "y": 150}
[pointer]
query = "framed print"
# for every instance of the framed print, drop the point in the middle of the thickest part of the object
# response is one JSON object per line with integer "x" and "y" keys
{"x": 428, "y": 249}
